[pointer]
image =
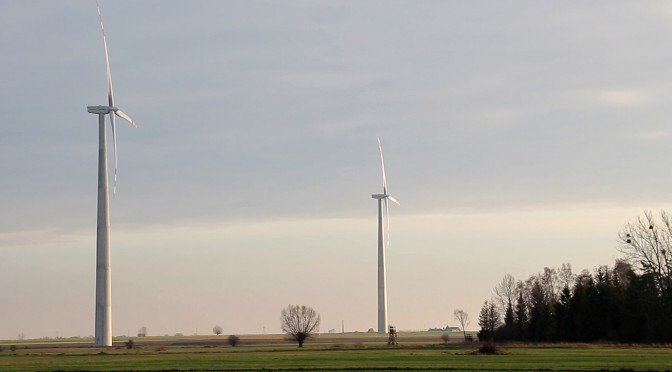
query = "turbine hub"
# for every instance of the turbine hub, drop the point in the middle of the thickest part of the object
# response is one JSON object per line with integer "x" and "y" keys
{"x": 379, "y": 196}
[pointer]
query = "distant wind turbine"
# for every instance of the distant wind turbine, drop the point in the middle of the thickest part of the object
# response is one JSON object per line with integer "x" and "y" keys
{"x": 103, "y": 276}
{"x": 383, "y": 241}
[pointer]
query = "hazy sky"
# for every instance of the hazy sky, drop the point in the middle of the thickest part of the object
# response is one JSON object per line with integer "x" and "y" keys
{"x": 517, "y": 135}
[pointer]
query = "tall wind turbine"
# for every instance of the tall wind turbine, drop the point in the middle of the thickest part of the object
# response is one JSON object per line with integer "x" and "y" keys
{"x": 383, "y": 241}
{"x": 103, "y": 275}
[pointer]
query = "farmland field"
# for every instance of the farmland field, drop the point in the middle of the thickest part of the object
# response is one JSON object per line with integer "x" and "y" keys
{"x": 353, "y": 351}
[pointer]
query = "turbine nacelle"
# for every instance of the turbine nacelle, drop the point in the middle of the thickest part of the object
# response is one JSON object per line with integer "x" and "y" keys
{"x": 101, "y": 110}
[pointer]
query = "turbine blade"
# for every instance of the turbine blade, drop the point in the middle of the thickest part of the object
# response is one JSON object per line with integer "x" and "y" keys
{"x": 114, "y": 150}
{"x": 382, "y": 165}
{"x": 110, "y": 94}
{"x": 122, "y": 115}
{"x": 387, "y": 223}
{"x": 394, "y": 200}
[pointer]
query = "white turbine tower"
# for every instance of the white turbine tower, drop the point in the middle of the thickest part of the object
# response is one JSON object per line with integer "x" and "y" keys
{"x": 383, "y": 241}
{"x": 103, "y": 275}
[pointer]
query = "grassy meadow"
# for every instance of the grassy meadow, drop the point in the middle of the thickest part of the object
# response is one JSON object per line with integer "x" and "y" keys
{"x": 416, "y": 351}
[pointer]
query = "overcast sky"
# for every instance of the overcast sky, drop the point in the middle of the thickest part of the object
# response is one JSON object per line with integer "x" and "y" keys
{"x": 517, "y": 135}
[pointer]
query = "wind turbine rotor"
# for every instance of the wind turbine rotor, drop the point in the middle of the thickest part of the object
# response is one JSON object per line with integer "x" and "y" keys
{"x": 110, "y": 100}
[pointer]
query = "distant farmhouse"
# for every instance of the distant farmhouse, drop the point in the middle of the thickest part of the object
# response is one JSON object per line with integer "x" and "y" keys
{"x": 447, "y": 329}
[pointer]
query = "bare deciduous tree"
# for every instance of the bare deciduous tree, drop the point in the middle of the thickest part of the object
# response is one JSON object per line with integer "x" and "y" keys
{"x": 622, "y": 272}
{"x": 217, "y": 330}
{"x": 565, "y": 276}
{"x": 300, "y": 322}
{"x": 142, "y": 332}
{"x": 550, "y": 283}
{"x": 463, "y": 318}
{"x": 505, "y": 292}
{"x": 647, "y": 244}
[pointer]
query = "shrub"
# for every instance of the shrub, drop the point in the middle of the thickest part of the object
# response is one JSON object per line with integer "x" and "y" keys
{"x": 234, "y": 340}
{"x": 488, "y": 348}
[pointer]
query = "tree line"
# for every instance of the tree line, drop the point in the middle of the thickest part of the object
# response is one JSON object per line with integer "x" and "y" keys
{"x": 630, "y": 301}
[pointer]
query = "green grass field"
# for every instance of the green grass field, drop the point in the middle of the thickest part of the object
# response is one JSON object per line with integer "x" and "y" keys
{"x": 355, "y": 352}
